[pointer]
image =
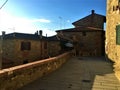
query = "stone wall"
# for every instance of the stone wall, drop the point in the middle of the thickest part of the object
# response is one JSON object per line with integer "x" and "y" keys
{"x": 8, "y": 52}
{"x": 91, "y": 21}
{"x": 89, "y": 42}
{"x": 16, "y": 77}
{"x": 32, "y": 54}
{"x": 12, "y": 54}
{"x": 113, "y": 19}
{"x": 54, "y": 48}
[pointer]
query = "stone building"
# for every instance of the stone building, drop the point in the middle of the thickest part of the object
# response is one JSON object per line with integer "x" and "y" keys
{"x": 112, "y": 43}
{"x": 21, "y": 48}
{"x": 92, "y": 20}
{"x": 87, "y": 36}
{"x": 54, "y": 46}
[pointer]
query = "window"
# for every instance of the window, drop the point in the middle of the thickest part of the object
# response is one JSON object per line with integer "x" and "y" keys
{"x": 117, "y": 7}
{"x": 118, "y": 34}
{"x": 119, "y": 4}
{"x": 25, "y": 46}
{"x": 113, "y": 8}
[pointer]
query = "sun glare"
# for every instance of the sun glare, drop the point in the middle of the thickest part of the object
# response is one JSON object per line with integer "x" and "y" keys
{"x": 10, "y": 23}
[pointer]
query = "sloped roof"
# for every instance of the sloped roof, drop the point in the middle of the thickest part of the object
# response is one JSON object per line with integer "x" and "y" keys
{"x": 80, "y": 29}
{"x": 88, "y": 18}
{"x": 16, "y": 35}
{"x": 55, "y": 38}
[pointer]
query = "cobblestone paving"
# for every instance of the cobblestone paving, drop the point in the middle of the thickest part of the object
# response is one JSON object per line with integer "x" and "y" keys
{"x": 79, "y": 73}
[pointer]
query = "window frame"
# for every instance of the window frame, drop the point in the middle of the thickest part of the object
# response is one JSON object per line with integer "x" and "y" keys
{"x": 117, "y": 34}
{"x": 25, "y": 45}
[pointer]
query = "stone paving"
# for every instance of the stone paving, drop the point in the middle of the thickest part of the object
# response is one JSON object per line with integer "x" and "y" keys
{"x": 79, "y": 73}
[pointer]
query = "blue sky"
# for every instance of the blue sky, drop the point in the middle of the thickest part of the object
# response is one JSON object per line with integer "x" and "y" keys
{"x": 27, "y": 16}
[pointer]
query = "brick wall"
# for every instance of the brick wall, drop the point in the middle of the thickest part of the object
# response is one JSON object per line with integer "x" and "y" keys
{"x": 113, "y": 19}
{"x": 16, "y": 77}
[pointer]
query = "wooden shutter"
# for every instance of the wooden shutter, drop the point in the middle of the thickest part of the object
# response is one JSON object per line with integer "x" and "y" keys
{"x": 118, "y": 34}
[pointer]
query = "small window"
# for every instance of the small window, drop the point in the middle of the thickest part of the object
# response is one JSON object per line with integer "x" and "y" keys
{"x": 25, "y": 46}
{"x": 118, "y": 2}
{"x": 113, "y": 8}
{"x": 117, "y": 7}
{"x": 118, "y": 34}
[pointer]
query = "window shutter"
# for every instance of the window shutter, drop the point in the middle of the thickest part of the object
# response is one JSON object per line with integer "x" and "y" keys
{"x": 118, "y": 34}
{"x": 25, "y": 46}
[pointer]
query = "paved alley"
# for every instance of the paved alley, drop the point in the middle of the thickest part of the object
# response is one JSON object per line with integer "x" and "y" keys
{"x": 79, "y": 73}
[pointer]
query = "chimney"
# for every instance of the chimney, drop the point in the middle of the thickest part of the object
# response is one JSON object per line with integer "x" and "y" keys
{"x": 3, "y": 33}
{"x": 92, "y": 11}
{"x": 40, "y": 34}
{"x": 36, "y": 33}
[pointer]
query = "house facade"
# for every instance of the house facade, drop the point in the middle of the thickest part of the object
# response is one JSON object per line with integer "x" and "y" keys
{"x": 88, "y": 35}
{"x": 86, "y": 42}
{"x": 92, "y": 20}
{"x": 112, "y": 43}
{"x": 21, "y": 48}
{"x": 54, "y": 45}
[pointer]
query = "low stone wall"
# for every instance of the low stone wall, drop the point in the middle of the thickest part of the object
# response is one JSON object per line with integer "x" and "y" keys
{"x": 18, "y": 76}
